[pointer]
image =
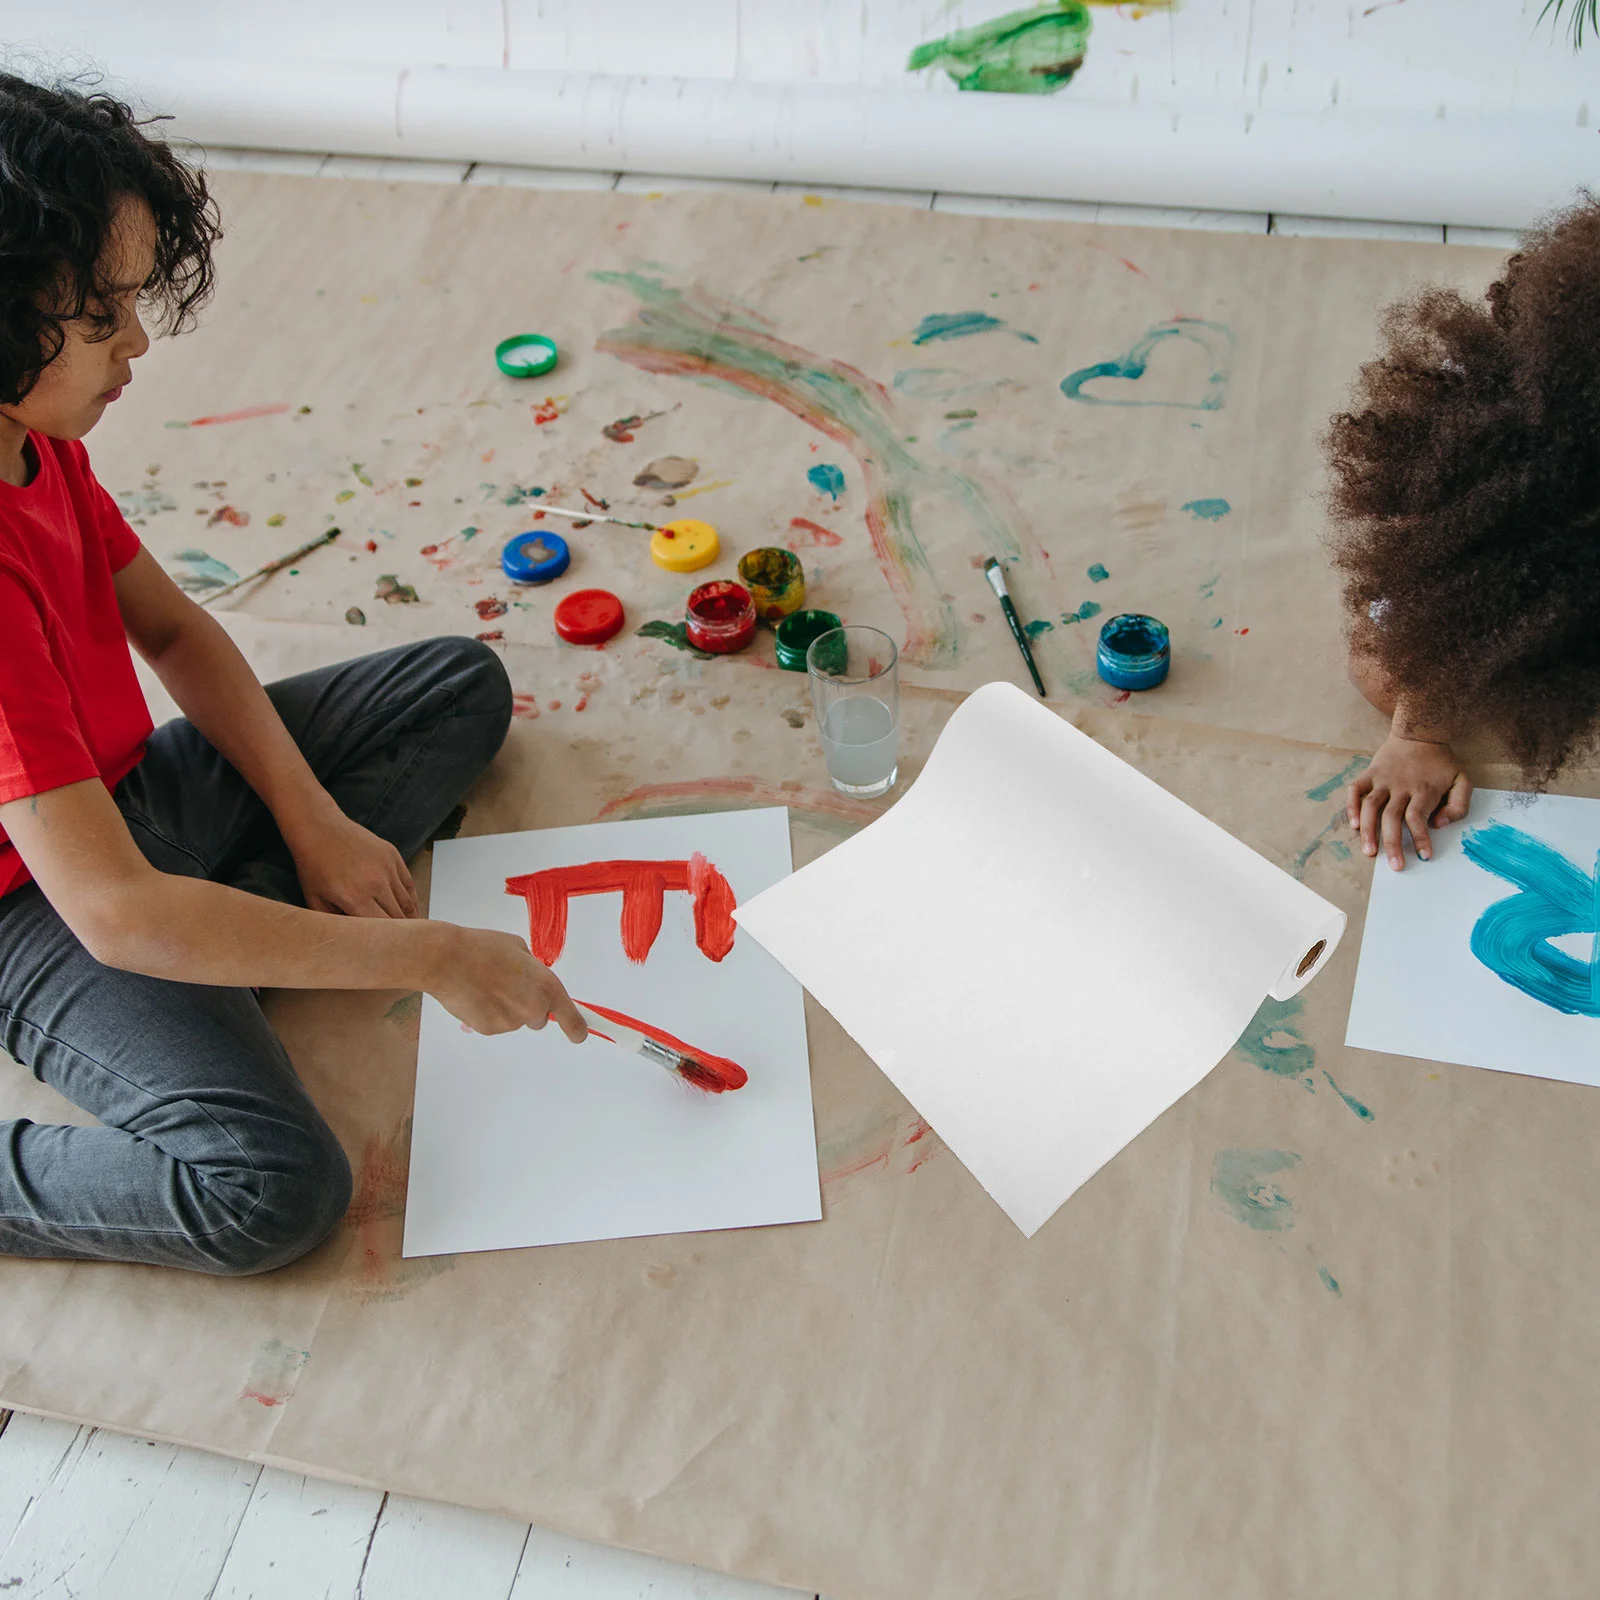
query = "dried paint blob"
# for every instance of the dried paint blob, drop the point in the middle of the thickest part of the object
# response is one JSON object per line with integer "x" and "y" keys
{"x": 776, "y": 580}
{"x": 1098, "y": 574}
{"x": 684, "y": 545}
{"x": 588, "y": 616}
{"x": 1207, "y": 510}
{"x": 670, "y": 472}
{"x": 392, "y": 590}
{"x": 826, "y": 479}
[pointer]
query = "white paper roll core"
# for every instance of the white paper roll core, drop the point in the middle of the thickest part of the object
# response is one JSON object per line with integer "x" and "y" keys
{"x": 1041, "y": 947}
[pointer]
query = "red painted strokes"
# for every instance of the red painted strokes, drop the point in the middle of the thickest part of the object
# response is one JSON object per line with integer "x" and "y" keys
{"x": 489, "y": 608}
{"x": 808, "y": 535}
{"x": 643, "y": 886}
{"x": 243, "y": 414}
{"x": 714, "y": 1074}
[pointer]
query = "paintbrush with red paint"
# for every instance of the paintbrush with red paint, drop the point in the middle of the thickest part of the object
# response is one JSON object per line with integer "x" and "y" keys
{"x": 714, "y": 1074}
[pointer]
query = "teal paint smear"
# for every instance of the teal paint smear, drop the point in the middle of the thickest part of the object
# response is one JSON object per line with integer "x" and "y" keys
{"x": 1331, "y": 786}
{"x": 1098, "y": 574}
{"x": 937, "y": 383}
{"x": 1216, "y": 622}
{"x": 1023, "y": 52}
{"x": 1274, "y": 1044}
{"x": 1339, "y": 850}
{"x": 519, "y": 497}
{"x": 1303, "y": 859}
{"x": 674, "y": 633}
{"x": 1214, "y": 338}
{"x": 690, "y": 333}
{"x": 827, "y": 479}
{"x": 1329, "y": 1282}
{"x": 1089, "y": 608}
{"x": 1241, "y": 1185}
{"x": 1035, "y": 628}
{"x": 1207, "y": 510}
{"x": 1349, "y": 1099}
{"x": 137, "y": 503}
{"x": 1512, "y": 937}
{"x": 959, "y": 325}
{"x": 205, "y": 571}
{"x": 1209, "y": 588}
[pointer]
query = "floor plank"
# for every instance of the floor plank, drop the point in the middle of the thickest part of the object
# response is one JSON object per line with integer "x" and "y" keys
{"x": 31, "y": 1450}
{"x": 425, "y": 1551}
{"x": 555, "y": 1567}
{"x": 300, "y": 1539}
{"x": 503, "y": 177}
{"x": 1354, "y": 228}
{"x": 122, "y": 1519}
{"x": 394, "y": 169}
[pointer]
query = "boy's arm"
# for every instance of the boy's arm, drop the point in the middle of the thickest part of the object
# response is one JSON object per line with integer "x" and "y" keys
{"x": 342, "y": 866}
{"x": 126, "y": 914}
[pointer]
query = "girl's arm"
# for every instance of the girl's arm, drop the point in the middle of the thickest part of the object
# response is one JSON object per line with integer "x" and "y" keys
{"x": 1413, "y": 782}
{"x": 342, "y": 866}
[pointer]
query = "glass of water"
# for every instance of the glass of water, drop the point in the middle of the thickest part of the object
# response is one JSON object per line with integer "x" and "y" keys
{"x": 855, "y": 687}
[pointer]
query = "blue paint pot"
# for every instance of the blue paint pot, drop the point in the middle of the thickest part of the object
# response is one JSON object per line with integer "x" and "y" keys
{"x": 535, "y": 557}
{"x": 1134, "y": 653}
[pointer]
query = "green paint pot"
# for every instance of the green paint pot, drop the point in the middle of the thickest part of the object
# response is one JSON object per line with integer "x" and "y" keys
{"x": 795, "y": 633}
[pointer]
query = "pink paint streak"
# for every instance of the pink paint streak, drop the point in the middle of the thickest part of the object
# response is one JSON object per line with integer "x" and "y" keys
{"x": 714, "y": 1074}
{"x": 643, "y": 886}
{"x": 243, "y": 414}
{"x": 816, "y": 537}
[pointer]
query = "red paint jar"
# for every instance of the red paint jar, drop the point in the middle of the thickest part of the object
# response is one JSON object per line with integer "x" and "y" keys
{"x": 721, "y": 617}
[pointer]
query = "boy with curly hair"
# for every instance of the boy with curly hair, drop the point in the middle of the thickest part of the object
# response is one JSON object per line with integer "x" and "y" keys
{"x": 1466, "y": 504}
{"x": 151, "y": 878}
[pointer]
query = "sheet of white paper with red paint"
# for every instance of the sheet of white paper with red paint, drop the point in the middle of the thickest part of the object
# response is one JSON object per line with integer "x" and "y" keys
{"x": 525, "y": 1139}
{"x": 1041, "y": 947}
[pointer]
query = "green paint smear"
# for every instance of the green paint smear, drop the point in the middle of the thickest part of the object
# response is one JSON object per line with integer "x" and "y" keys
{"x": 1089, "y": 608}
{"x": 1350, "y": 1100}
{"x": 1034, "y": 629}
{"x": 1329, "y": 1282}
{"x": 1098, "y": 574}
{"x": 1023, "y": 52}
{"x": 1207, "y": 510}
{"x": 674, "y": 633}
{"x": 1330, "y": 786}
{"x": 1274, "y": 1044}
{"x": 359, "y": 469}
{"x": 1241, "y": 1185}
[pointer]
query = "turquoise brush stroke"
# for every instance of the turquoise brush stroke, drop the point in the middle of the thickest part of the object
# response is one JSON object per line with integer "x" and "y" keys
{"x": 1213, "y": 337}
{"x": 1274, "y": 1044}
{"x": 1241, "y": 1185}
{"x": 1038, "y": 626}
{"x": 960, "y": 325}
{"x": 1331, "y": 786}
{"x": 1098, "y": 574}
{"x": 1329, "y": 1282}
{"x": 937, "y": 383}
{"x": 1512, "y": 937}
{"x": 1207, "y": 510}
{"x": 827, "y": 479}
{"x": 205, "y": 571}
{"x": 1089, "y": 608}
{"x": 1349, "y": 1099}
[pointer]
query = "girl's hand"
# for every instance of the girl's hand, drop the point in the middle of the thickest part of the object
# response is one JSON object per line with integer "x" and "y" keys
{"x": 345, "y": 868}
{"x": 1414, "y": 784}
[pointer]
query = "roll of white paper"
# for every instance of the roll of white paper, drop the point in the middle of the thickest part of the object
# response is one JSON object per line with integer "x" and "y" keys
{"x": 1041, "y": 947}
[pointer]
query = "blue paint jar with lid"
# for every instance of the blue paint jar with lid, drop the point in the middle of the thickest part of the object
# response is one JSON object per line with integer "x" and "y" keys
{"x": 1135, "y": 652}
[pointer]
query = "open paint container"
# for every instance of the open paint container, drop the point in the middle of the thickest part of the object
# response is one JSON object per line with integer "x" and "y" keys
{"x": 720, "y": 617}
{"x": 795, "y": 634}
{"x": 776, "y": 580}
{"x": 1135, "y": 652}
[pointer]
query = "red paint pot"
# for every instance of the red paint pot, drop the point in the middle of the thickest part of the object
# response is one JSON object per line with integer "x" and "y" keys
{"x": 588, "y": 616}
{"x": 721, "y": 617}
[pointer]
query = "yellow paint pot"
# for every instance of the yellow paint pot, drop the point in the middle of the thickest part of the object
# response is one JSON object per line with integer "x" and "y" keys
{"x": 776, "y": 581}
{"x": 684, "y": 545}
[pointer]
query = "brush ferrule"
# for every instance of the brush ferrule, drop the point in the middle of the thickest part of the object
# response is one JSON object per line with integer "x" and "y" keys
{"x": 654, "y": 1051}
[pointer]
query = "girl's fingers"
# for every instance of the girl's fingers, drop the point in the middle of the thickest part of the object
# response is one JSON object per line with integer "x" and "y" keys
{"x": 1457, "y": 802}
{"x": 1394, "y": 845}
{"x": 1417, "y": 822}
{"x": 569, "y": 1018}
{"x": 1371, "y": 813}
{"x": 1353, "y": 798}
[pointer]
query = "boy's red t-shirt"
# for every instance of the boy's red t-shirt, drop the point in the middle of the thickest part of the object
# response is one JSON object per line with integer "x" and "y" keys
{"x": 70, "y": 705}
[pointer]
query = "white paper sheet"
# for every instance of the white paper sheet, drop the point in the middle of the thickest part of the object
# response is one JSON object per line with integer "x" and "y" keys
{"x": 1420, "y": 988}
{"x": 1041, "y": 948}
{"x": 526, "y": 1139}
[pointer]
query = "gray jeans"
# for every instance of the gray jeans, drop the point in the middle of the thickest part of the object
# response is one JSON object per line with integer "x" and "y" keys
{"x": 210, "y": 1154}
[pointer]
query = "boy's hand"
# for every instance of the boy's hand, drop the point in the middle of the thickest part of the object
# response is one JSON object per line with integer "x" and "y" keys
{"x": 491, "y": 982}
{"x": 345, "y": 868}
{"x": 1412, "y": 784}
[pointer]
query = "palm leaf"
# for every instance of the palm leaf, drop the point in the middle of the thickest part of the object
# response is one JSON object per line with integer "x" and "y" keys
{"x": 1585, "y": 14}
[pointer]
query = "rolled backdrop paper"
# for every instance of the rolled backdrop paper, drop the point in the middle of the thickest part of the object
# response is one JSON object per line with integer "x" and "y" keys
{"x": 1041, "y": 947}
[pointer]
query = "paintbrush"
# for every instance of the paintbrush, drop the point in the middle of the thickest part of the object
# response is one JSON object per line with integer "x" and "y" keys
{"x": 272, "y": 566}
{"x": 599, "y": 516}
{"x": 997, "y": 582}
{"x": 714, "y": 1074}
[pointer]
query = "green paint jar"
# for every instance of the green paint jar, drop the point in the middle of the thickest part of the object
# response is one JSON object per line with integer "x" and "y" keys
{"x": 795, "y": 633}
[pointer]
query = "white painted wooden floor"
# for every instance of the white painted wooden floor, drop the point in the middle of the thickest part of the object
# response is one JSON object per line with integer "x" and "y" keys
{"x": 90, "y": 1515}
